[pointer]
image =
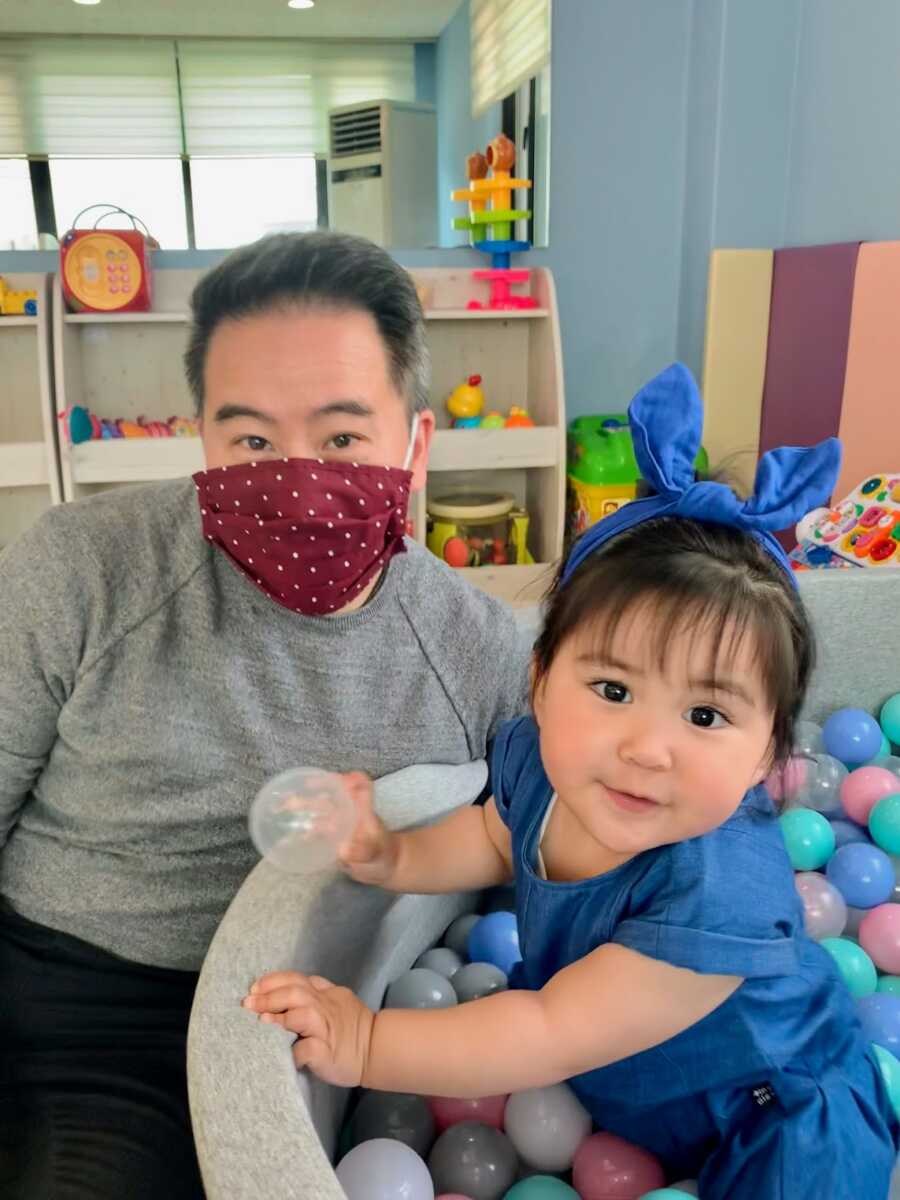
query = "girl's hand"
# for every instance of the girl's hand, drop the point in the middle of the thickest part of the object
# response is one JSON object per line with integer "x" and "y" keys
{"x": 334, "y": 1026}
{"x": 371, "y": 854}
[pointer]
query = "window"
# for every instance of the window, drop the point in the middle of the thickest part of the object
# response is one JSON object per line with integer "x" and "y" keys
{"x": 151, "y": 188}
{"x": 18, "y": 228}
{"x": 264, "y": 195}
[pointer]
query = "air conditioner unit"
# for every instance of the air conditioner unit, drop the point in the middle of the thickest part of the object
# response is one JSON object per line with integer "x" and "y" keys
{"x": 382, "y": 172}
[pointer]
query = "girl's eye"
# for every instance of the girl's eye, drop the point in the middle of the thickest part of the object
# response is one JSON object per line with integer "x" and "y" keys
{"x": 615, "y": 693}
{"x": 704, "y": 717}
{"x": 342, "y": 441}
{"x": 257, "y": 444}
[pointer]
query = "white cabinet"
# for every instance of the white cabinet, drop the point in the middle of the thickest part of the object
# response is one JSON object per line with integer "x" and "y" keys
{"x": 29, "y": 452}
{"x": 130, "y": 365}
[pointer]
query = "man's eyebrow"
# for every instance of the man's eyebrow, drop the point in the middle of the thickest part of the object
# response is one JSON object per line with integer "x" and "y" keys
{"x": 349, "y": 407}
{"x": 228, "y": 412}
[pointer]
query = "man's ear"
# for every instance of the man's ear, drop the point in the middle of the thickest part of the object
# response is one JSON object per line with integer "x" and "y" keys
{"x": 418, "y": 463}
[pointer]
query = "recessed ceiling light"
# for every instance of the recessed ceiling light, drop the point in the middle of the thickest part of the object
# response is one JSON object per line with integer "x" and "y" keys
{"x": 87, "y": 1}
{"x": 301, "y": 3}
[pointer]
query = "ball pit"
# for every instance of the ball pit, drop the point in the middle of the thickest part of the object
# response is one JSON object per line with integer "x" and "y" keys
{"x": 841, "y": 827}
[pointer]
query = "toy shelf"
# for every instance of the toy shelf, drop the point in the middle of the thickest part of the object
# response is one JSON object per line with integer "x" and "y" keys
{"x": 431, "y": 314}
{"x": 126, "y": 365}
{"x": 135, "y": 460}
{"x": 24, "y": 464}
{"x": 517, "y": 353}
{"x": 29, "y": 450}
{"x": 130, "y": 365}
{"x": 129, "y": 318}
{"x": 485, "y": 314}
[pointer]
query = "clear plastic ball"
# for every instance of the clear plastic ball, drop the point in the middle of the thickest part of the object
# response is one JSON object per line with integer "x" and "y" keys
{"x": 300, "y": 818}
{"x": 808, "y": 739}
{"x": 820, "y": 788}
{"x": 890, "y": 762}
{"x": 824, "y": 908}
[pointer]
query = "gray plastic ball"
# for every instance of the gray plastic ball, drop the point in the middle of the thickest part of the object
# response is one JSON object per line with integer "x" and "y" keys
{"x": 420, "y": 988}
{"x": 441, "y": 959}
{"x": 399, "y": 1115}
{"x": 473, "y": 1160}
{"x": 457, "y": 935}
{"x": 478, "y": 979}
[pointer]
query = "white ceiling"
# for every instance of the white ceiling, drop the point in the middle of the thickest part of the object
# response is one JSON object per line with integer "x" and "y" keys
{"x": 231, "y": 18}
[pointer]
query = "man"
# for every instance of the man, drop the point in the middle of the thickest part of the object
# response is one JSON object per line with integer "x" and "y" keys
{"x": 168, "y": 648}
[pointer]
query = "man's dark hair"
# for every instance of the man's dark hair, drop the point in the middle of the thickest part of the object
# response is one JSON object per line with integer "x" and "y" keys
{"x": 315, "y": 270}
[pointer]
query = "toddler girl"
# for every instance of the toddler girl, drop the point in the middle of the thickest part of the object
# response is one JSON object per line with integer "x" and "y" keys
{"x": 665, "y": 971}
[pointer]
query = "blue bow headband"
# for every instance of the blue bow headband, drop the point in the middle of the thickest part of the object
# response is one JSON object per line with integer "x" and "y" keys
{"x": 666, "y": 419}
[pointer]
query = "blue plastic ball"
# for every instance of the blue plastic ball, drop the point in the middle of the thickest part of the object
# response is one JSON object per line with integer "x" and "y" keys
{"x": 846, "y": 831}
{"x": 880, "y": 1016}
{"x": 852, "y": 735}
{"x": 495, "y": 939}
{"x": 863, "y": 874}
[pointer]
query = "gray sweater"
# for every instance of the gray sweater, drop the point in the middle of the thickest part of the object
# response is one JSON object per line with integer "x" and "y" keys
{"x": 148, "y": 689}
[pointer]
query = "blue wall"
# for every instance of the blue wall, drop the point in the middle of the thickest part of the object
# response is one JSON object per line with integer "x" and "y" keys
{"x": 678, "y": 126}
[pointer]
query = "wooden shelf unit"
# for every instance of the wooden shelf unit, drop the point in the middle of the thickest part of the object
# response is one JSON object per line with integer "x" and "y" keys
{"x": 130, "y": 364}
{"x": 29, "y": 447}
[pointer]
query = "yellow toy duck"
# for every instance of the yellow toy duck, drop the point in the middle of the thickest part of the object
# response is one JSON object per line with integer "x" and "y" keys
{"x": 466, "y": 403}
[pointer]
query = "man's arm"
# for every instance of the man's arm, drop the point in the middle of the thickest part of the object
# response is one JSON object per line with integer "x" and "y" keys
{"x": 41, "y": 637}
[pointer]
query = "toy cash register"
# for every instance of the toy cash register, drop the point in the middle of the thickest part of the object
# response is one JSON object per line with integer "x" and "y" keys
{"x": 107, "y": 270}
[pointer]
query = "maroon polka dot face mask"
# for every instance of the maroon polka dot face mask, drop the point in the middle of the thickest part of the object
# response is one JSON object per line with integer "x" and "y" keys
{"x": 309, "y": 533}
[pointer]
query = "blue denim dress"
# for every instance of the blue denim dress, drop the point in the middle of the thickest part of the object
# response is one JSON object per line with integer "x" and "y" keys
{"x": 775, "y": 1095}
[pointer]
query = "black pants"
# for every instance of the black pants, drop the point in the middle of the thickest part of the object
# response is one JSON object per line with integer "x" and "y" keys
{"x": 93, "y": 1084}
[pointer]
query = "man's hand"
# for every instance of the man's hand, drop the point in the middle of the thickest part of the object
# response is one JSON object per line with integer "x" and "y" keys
{"x": 370, "y": 856}
{"x": 334, "y": 1026}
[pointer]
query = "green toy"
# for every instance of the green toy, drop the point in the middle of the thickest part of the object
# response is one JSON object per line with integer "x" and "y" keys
{"x": 602, "y": 471}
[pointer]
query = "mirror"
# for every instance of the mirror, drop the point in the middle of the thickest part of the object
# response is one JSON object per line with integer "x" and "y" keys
{"x": 264, "y": 118}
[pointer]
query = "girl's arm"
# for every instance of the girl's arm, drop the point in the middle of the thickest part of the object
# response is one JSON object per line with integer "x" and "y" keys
{"x": 466, "y": 851}
{"x": 607, "y": 1006}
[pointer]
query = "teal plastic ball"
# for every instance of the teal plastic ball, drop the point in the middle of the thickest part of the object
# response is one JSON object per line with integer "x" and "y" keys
{"x": 884, "y": 823}
{"x": 890, "y": 1073}
{"x": 808, "y": 837}
{"x": 856, "y": 968}
{"x": 889, "y": 718}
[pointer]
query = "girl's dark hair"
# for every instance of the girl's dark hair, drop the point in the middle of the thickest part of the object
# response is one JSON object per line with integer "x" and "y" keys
{"x": 706, "y": 579}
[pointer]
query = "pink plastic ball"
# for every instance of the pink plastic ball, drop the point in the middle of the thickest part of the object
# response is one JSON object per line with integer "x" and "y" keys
{"x": 863, "y": 788}
{"x": 489, "y": 1110}
{"x": 607, "y": 1167}
{"x": 879, "y": 936}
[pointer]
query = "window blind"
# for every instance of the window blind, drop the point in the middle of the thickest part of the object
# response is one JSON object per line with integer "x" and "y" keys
{"x": 510, "y": 42}
{"x": 88, "y": 97}
{"x": 136, "y": 98}
{"x": 272, "y": 97}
